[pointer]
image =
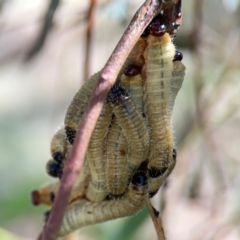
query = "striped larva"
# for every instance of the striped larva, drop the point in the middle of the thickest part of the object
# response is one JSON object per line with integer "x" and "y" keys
{"x": 77, "y": 107}
{"x": 46, "y": 194}
{"x": 178, "y": 74}
{"x": 84, "y": 212}
{"x": 59, "y": 148}
{"x": 97, "y": 190}
{"x": 116, "y": 160}
{"x": 133, "y": 125}
{"x": 157, "y": 90}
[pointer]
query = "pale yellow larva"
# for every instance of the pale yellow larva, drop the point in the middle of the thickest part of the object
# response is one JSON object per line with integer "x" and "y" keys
{"x": 116, "y": 160}
{"x": 178, "y": 74}
{"x": 77, "y": 107}
{"x": 157, "y": 91}
{"x": 46, "y": 194}
{"x": 84, "y": 212}
{"x": 97, "y": 189}
{"x": 133, "y": 125}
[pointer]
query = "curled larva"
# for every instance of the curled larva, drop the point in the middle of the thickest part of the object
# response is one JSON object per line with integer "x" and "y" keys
{"x": 46, "y": 194}
{"x": 77, "y": 107}
{"x": 157, "y": 92}
{"x": 84, "y": 212}
{"x": 133, "y": 125}
{"x": 59, "y": 148}
{"x": 116, "y": 160}
{"x": 97, "y": 190}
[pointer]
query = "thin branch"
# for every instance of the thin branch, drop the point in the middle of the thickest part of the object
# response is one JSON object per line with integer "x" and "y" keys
{"x": 88, "y": 38}
{"x": 157, "y": 221}
{"x": 106, "y": 80}
{"x": 45, "y": 29}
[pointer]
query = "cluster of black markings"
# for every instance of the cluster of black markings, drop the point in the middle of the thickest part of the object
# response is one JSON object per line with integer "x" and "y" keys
{"x": 117, "y": 94}
{"x": 167, "y": 21}
{"x": 157, "y": 172}
{"x": 55, "y": 165}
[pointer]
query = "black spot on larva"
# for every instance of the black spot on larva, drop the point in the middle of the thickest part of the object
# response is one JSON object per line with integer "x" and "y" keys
{"x": 54, "y": 169}
{"x": 132, "y": 70}
{"x": 152, "y": 194}
{"x": 71, "y": 134}
{"x": 117, "y": 94}
{"x": 58, "y": 157}
{"x": 52, "y": 197}
{"x": 139, "y": 179}
{"x": 156, "y": 172}
{"x": 178, "y": 56}
{"x": 174, "y": 154}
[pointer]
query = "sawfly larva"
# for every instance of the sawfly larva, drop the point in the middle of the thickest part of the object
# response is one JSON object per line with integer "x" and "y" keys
{"x": 46, "y": 194}
{"x": 178, "y": 74}
{"x": 116, "y": 160}
{"x": 77, "y": 107}
{"x": 97, "y": 189}
{"x": 84, "y": 212}
{"x": 133, "y": 125}
{"x": 157, "y": 92}
{"x": 59, "y": 150}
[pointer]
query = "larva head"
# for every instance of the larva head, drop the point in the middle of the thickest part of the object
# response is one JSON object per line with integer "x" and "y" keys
{"x": 132, "y": 70}
{"x": 117, "y": 94}
{"x": 139, "y": 179}
{"x": 54, "y": 169}
{"x": 178, "y": 56}
{"x": 158, "y": 26}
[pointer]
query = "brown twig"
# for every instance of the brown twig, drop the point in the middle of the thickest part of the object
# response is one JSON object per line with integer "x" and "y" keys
{"x": 157, "y": 221}
{"x": 106, "y": 80}
{"x": 88, "y": 38}
{"x": 45, "y": 29}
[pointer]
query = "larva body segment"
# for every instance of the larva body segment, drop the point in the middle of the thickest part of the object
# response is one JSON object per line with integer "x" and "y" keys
{"x": 77, "y": 107}
{"x": 97, "y": 190}
{"x": 134, "y": 86}
{"x": 84, "y": 212}
{"x": 116, "y": 160}
{"x": 178, "y": 74}
{"x": 81, "y": 185}
{"x": 157, "y": 92}
{"x": 134, "y": 127}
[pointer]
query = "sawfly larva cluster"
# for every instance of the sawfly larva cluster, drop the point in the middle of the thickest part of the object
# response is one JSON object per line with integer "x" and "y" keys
{"x": 131, "y": 150}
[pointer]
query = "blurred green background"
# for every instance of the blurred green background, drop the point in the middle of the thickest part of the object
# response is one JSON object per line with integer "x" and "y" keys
{"x": 201, "y": 199}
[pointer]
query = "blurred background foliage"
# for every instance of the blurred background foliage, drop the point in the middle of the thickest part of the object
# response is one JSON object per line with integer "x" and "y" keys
{"x": 41, "y": 67}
